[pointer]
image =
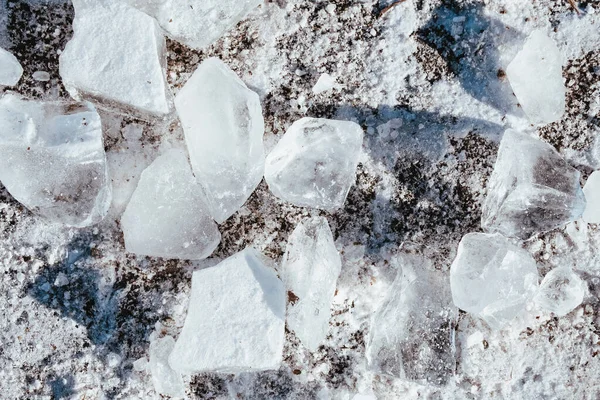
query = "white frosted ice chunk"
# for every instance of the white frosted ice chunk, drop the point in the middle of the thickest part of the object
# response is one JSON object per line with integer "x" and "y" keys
{"x": 167, "y": 216}
{"x": 561, "y": 291}
{"x": 116, "y": 57}
{"x": 532, "y": 189}
{"x": 535, "y": 76}
{"x": 10, "y": 69}
{"x": 314, "y": 163}
{"x": 224, "y": 127}
{"x": 52, "y": 159}
{"x": 325, "y": 83}
{"x": 492, "y": 278}
{"x": 310, "y": 269}
{"x": 196, "y": 23}
{"x": 235, "y": 320}
{"x": 167, "y": 382}
{"x": 591, "y": 190}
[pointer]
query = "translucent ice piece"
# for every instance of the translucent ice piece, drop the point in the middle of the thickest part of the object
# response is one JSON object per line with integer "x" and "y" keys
{"x": 591, "y": 190}
{"x": 10, "y": 69}
{"x": 561, "y": 291}
{"x": 166, "y": 381}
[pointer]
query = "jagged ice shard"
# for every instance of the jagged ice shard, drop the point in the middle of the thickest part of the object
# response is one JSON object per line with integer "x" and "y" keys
{"x": 310, "y": 269}
{"x": 314, "y": 163}
{"x": 116, "y": 57}
{"x": 492, "y": 278}
{"x": 532, "y": 189}
{"x": 224, "y": 127}
{"x": 10, "y": 69}
{"x": 52, "y": 159}
{"x": 167, "y": 382}
{"x": 235, "y": 320}
{"x": 561, "y": 291}
{"x": 535, "y": 76}
{"x": 167, "y": 216}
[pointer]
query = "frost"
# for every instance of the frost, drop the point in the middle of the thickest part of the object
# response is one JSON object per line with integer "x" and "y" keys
{"x": 561, "y": 291}
{"x": 591, "y": 190}
{"x": 166, "y": 381}
{"x": 10, "y": 69}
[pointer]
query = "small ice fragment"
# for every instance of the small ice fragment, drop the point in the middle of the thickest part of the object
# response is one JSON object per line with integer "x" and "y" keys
{"x": 167, "y": 382}
{"x": 10, "y": 69}
{"x": 561, "y": 291}
{"x": 535, "y": 76}
{"x": 41, "y": 76}
{"x": 492, "y": 278}
{"x": 61, "y": 280}
{"x": 325, "y": 83}
{"x": 167, "y": 216}
{"x": 141, "y": 364}
{"x": 591, "y": 190}
{"x": 235, "y": 320}
{"x": 314, "y": 163}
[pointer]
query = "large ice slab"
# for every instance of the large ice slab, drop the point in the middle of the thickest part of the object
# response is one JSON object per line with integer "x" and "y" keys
{"x": 314, "y": 163}
{"x": 561, "y": 291}
{"x": 10, "y": 69}
{"x": 412, "y": 333}
{"x": 310, "y": 269}
{"x": 167, "y": 382}
{"x": 492, "y": 278}
{"x": 535, "y": 76}
{"x": 116, "y": 57}
{"x": 196, "y": 23}
{"x": 591, "y": 190}
{"x": 235, "y": 320}
{"x": 224, "y": 127}
{"x": 52, "y": 159}
{"x": 167, "y": 216}
{"x": 532, "y": 189}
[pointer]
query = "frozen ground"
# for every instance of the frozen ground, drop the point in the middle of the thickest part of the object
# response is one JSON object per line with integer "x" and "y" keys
{"x": 426, "y": 81}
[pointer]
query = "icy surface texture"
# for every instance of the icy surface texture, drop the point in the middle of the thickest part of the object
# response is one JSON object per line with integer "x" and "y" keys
{"x": 314, "y": 163}
{"x": 325, "y": 83}
{"x": 10, "y": 69}
{"x": 561, "y": 291}
{"x": 52, "y": 159}
{"x": 196, "y": 23}
{"x": 166, "y": 381}
{"x": 412, "y": 333}
{"x": 591, "y": 190}
{"x": 310, "y": 269}
{"x": 532, "y": 189}
{"x": 235, "y": 319}
{"x": 492, "y": 278}
{"x": 116, "y": 57}
{"x": 535, "y": 76}
{"x": 223, "y": 124}
{"x": 167, "y": 216}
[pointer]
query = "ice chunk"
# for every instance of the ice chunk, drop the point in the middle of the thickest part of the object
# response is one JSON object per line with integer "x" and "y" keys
{"x": 532, "y": 189}
{"x": 492, "y": 278}
{"x": 310, "y": 269}
{"x": 561, "y": 291}
{"x": 235, "y": 320}
{"x": 325, "y": 83}
{"x": 412, "y": 334}
{"x": 167, "y": 382}
{"x": 196, "y": 23}
{"x": 224, "y": 127}
{"x": 591, "y": 190}
{"x": 52, "y": 159}
{"x": 10, "y": 69}
{"x": 167, "y": 216}
{"x": 535, "y": 76}
{"x": 116, "y": 56}
{"x": 314, "y": 163}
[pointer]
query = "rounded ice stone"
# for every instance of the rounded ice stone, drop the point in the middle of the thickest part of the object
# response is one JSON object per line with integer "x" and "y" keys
{"x": 591, "y": 190}
{"x": 10, "y": 69}
{"x": 492, "y": 278}
{"x": 561, "y": 291}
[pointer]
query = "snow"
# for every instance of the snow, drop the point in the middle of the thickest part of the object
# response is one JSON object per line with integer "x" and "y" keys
{"x": 235, "y": 319}
{"x": 166, "y": 381}
{"x": 325, "y": 83}
{"x": 492, "y": 278}
{"x": 167, "y": 215}
{"x": 314, "y": 163}
{"x": 532, "y": 189}
{"x": 591, "y": 190}
{"x": 52, "y": 159}
{"x": 310, "y": 269}
{"x": 561, "y": 291}
{"x": 10, "y": 69}
{"x": 223, "y": 124}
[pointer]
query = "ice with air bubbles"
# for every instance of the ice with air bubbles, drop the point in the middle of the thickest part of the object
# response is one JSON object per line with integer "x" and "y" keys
{"x": 561, "y": 291}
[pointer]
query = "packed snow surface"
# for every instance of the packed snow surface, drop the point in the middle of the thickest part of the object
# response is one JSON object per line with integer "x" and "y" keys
{"x": 10, "y": 69}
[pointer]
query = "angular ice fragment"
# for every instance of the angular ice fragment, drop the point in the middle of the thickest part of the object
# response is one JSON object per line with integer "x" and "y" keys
{"x": 167, "y": 382}
{"x": 224, "y": 127}
{"x": 310, "y": 269}
{"x": 492, "y": 278}
{"x": 10, "y": 69}
{"x": 167, "y": 216}
{"x": 52, "y": 159}
{"x": 314, "y": 163}
{"x": 235, "y": 320}
{"x": 561, "y": 291}
{"x": 535, "y": 76}
{"x": 532, "y": 189}
{"x": 412, "y": 334}
{"x": 591, "y": 190}
{"x": 325, "y": 83}
{"x": 116, "y": 57}
{"x": 196, "y": 23}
